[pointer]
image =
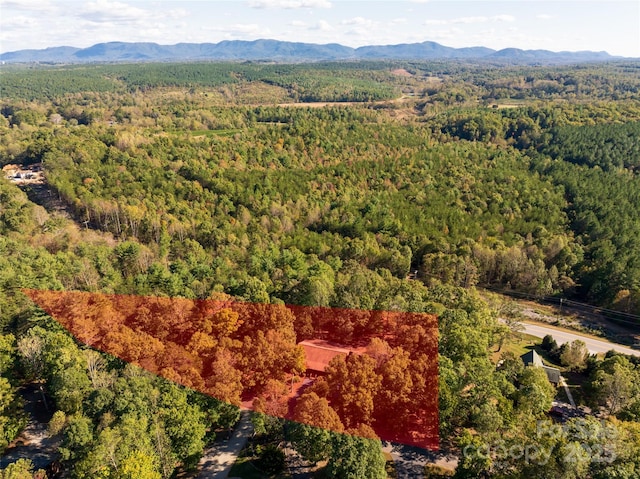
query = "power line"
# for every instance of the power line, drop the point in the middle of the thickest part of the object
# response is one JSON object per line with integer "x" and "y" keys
{"x": 619, "y": 316}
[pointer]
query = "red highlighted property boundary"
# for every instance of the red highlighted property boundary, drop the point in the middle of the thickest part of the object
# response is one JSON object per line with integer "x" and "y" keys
{"x": 362, "y": 372}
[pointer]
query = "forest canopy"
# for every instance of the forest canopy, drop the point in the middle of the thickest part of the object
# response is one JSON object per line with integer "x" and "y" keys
{"x": 399, "y": 186}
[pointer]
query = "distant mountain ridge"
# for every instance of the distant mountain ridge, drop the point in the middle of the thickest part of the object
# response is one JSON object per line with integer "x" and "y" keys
{"x": 275, "y": 50}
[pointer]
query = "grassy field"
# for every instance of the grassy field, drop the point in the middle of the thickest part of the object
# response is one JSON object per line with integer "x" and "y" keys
{"x": 244, "y": 469}
{"x": 576, "y": 383}
{"x": 518, "y": 344}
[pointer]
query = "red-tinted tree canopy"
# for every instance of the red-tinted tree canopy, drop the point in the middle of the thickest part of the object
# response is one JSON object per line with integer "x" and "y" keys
{"x": 247, "y": 354}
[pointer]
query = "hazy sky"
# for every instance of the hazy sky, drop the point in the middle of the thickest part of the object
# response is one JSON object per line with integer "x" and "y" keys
{"x": 609, "y": 25}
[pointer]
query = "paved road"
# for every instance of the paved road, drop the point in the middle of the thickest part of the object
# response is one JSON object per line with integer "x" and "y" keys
{"x": 410, "y": 461}
{"x": 217, "y": 461}
{"x": 33, "y": 442}
{"x": 593, "y": 345}
{"x": 567, "y": 391}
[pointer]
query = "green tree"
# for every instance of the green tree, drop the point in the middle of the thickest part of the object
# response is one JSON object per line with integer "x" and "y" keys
{"x": 353, "y": 385}
{"x": 354, "y": 457}
{"x": 475, "y": 461}
{"x": 7, "y": 353}
{"x": 138, "y": 465}
{"x": 535, "y": 393}
{"x": 316, "y": 422}
{"x": 22, "y": 469}
{"x": 77, "y": 438}
{"x": 12, "y": 417}
{"x": 615, "y": 384}
{"x": 575, "y": 355}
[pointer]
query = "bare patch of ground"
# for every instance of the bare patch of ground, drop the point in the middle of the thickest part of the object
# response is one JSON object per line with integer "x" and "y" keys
{"x": 410, "y": 461}
{"x": 24, "y": 175}
{"x": 401, "y": 72}
{"x": 41, "y": 194}
{"x": 507, "y": 105}
{"x": 321, "y": 104}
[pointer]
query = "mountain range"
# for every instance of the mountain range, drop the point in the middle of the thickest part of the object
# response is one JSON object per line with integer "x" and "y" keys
{"x": 282, "y": 51}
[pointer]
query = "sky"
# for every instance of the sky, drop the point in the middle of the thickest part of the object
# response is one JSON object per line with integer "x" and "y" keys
{"x": 557, "y": 25}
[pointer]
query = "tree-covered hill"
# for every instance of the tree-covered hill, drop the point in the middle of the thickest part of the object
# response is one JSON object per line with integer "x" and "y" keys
{"x": 274, "y": 50}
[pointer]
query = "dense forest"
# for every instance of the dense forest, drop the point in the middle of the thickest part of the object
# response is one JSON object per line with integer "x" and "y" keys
{"x": 410, "y": 187}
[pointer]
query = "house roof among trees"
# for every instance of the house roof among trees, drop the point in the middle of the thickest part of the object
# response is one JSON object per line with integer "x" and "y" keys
{"x": 319, "y": 353}
{"x": 532, "y": 358}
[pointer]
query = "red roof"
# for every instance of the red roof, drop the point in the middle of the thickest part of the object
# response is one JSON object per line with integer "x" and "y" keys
{"x": 319, "y": 353}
